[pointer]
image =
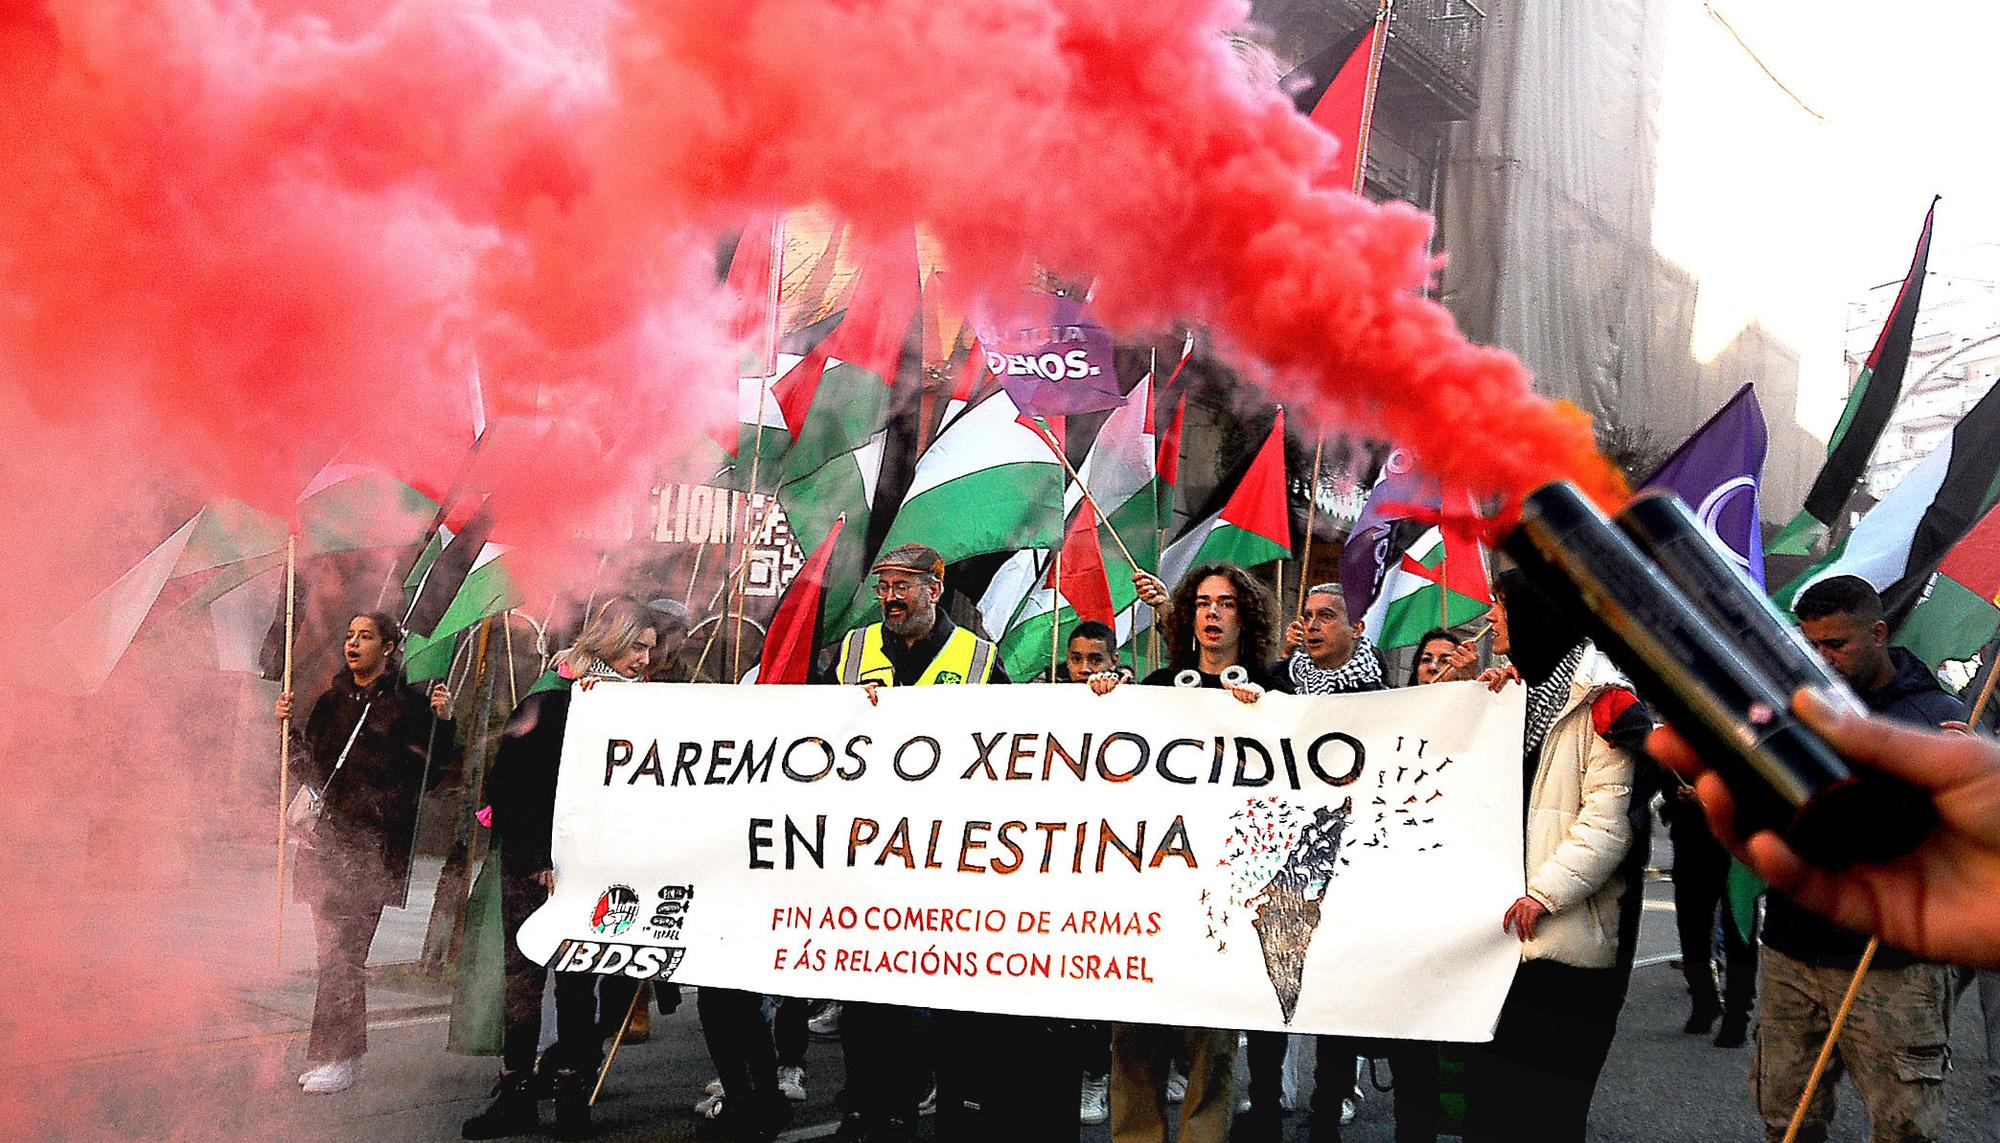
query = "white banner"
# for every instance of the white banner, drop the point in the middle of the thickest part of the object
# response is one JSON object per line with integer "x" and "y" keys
{"x": 1154, "y": 855}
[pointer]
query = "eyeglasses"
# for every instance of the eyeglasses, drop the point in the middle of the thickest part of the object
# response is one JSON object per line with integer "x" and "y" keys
{"x": 897, "y": 589}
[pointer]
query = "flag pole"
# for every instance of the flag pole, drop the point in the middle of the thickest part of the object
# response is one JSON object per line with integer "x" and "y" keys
{"x": 1312, "y": 509}
{"x": 1985, "y": 692}
{"x": 1159, "y": 526}
{"x": 1288, "y": 522}
{"x": 1094, "y": 507}
{"x": 1375, "y": 50}
{"x": 285, "y": 738}
{"x": 1444, "y": 577}
{"x": 1055, "y": 613}
{"x": 770, "y": 366}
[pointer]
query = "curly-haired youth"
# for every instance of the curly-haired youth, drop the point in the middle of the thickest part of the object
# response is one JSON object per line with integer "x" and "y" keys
{"x": 1256, "y": 611}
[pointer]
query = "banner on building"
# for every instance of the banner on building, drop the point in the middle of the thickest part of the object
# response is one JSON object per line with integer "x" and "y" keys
{"x": 1167, "y": 856}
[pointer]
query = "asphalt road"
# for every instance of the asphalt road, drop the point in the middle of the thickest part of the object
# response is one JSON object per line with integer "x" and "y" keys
{"x": 238, "y": 1083}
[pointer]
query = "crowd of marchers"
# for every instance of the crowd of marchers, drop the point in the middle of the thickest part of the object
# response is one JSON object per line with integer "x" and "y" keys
{"x": 1590, "y": 790}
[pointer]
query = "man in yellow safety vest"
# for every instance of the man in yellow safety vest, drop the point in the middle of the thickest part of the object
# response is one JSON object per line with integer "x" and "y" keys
{"x": 915, "y": 644}
{"x": 891, "y": 1053}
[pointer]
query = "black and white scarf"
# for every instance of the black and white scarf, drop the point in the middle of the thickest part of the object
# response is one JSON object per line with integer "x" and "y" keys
{"x": 1546, "y": 700}
{"x": 1361, "y": 671}
{"x": 580, "y": 665}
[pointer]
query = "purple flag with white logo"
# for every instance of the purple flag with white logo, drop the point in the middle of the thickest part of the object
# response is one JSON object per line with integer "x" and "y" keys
{"x": 1715, "y": 472}
{"x": 1051, "y": 356}
{"x": 1384, "y": 530}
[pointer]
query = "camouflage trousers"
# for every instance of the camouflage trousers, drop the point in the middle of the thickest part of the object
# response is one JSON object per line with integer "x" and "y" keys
{"x": 1892, "y": 1045}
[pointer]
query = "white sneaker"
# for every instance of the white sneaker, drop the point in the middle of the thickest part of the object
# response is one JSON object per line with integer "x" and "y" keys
{"x": 329, "y": 1078}
{"x": 1346, "y": 1111}
{"x": 1176, "y": 1086}
{"x": 792, "y": 1084}
{"x": 710, "y": 1104}
{"x": 1096, "y": 1103}
{"x": 825, "y": 1022}
{"x": 929, "y": 1104}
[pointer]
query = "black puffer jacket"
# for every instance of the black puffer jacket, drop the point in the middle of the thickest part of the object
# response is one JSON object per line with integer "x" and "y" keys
{"x": 1912, "y": 695}
{"x": 364, "y": 834}
{"x": 522, "y": 785}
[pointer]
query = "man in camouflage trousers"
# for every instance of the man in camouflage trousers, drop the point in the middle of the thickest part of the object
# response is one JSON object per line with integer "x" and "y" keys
{"x": 1893, "y": 1043}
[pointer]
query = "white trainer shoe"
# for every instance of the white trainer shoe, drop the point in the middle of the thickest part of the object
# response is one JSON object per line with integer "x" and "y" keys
{"x": 792, "y": 1083}
{"x": 1176, "y": 1086}
{"x": 710, "y": 1103}
{"x": 1095, "y": 1106}
{"x": 331, "y": 1077}
{"x": 825, "y": 1022}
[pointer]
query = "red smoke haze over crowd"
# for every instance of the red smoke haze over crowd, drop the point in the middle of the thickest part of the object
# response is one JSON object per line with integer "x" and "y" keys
{"x": 237, "y": 239}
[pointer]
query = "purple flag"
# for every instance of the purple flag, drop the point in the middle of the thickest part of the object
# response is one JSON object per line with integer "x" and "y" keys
{"x": 1715, "y": 472}
{"x": 1050, "y": 355}
{"x": 1383, "y": 531}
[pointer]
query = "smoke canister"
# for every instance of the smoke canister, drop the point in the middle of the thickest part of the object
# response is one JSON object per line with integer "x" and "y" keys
{"x": 1692, "y": 559}
{"x": 1734, "y": 711}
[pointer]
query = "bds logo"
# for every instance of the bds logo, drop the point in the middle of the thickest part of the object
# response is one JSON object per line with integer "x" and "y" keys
{"x": 606, "y": 958}
{"x": 617, "y": 907}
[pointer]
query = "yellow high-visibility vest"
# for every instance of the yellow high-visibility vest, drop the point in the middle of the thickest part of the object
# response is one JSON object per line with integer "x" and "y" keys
{"x": 965, "y": 657}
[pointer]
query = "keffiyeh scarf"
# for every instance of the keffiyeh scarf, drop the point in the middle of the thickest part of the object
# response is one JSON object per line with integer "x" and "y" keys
{"x": 1546, "y": 700}
{"x": 575, "y": 665}
{"x": 1362, "y": 670}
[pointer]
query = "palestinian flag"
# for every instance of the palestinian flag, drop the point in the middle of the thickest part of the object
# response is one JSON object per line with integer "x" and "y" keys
{"x": 1079, "y": 574}
{"x": 752, "y": 282}
{"x": 794, "y": 636}
{"x": 1869, "y": 405}
{"x": 486, "y": 591}
{"x": 849, "y": 416}
{"x": 1335, "y": 89}
{"x": 1248, "y": 521}
{"x": 220, "y": 548}
{"x": 829, "y": 400}
{"x": 1960, "y": 610}
{"x": 1121, "y": 471}
{"x": 1426, "y": 589}
{"x": 436, "y": 579}
{"x": 1167, "y": 467}
{"x": 988, "y": 483}
{"x": 1389, "y": 524}
{"x": 1904, "y": 539}
{"x": 1084, "y": 593}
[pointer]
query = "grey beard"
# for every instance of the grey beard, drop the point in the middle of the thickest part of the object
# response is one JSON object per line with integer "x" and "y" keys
{"x": 913, "y": 625}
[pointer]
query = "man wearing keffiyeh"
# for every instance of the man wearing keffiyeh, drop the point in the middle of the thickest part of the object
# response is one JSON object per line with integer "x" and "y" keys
{"x": 1330, "y": 655}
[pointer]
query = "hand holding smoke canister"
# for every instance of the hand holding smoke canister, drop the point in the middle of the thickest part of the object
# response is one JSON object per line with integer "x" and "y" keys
{"x": 1704, "y": 647}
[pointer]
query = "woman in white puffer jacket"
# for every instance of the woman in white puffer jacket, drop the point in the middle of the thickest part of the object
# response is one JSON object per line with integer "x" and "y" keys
{"x": 1535, "y": 1080}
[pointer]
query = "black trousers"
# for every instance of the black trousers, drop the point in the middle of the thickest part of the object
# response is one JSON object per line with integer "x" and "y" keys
{"x": 739, "y": 1042}
{"x": 1535, "y": 1080}
{"x": 1004, "y": 1079}
{"x": 789, "y": 1034}
{"x": 344, "y": 922}
{"x": 888, "y": 1053}
{"x": 1412, "y": 1063}
{"x": 1701, "y": 878}
{"x": 578, "y": 1045}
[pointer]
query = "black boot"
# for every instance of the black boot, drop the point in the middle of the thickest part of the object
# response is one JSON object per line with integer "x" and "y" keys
{"x": 512, "y": 1111}
{"x": 1734, "y": 1031}
{"x": 1703, "y": 1017}
{"x": 572, "y": 1104}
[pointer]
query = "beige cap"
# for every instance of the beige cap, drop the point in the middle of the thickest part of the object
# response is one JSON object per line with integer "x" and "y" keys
{"x": 920, "y": 558}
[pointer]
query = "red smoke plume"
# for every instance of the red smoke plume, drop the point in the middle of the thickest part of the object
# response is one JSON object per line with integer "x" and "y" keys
{"x": 278, "y": 236}
{"x": 236, "y": 239}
